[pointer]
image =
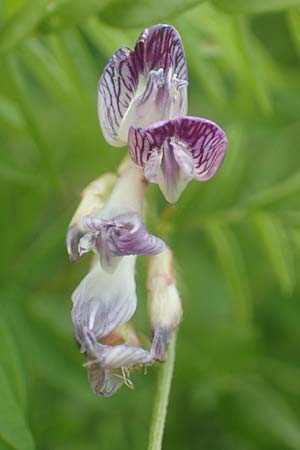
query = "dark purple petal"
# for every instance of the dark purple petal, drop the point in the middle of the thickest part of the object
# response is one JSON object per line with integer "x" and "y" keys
{"x": 143, "y": 85}
{"x": 171, "y": 142}
{"x": 208, "y": 144}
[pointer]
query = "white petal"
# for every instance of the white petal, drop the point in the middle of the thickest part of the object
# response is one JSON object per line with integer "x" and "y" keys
{"x": 104, "y": 301}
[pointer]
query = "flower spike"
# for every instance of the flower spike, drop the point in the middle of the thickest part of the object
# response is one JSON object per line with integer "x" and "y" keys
{"x": 173, "y": 152}
{"x": 144, "y": 85}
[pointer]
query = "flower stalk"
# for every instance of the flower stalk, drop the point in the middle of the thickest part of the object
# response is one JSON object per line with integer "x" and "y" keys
{"x": 161, "y": 401}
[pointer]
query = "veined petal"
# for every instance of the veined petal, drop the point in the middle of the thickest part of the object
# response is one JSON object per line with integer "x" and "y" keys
{"x": 123, "y": 235}
{"x": 187, "y": 147}
{"x": 131, "y": 237}
{"x": 152, "y": 167}
{"x": 143, "y": 85}
{"x": 109, "y": 366}
{"x": 175, "y": 171}
{"x": 104, "y": 301}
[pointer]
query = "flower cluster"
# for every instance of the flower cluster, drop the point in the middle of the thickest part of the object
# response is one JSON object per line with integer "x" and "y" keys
{"x": 142, "y": 103}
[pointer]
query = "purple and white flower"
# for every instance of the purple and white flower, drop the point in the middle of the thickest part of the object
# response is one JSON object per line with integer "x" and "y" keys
{"x": 122, "y": 235}
{"x": 109, "y": 366}
{"x": 103, "y": 301}
{"x": 118, "y": 230}
{"x": 173, "y": 152}
{"x": 144, "y": 85}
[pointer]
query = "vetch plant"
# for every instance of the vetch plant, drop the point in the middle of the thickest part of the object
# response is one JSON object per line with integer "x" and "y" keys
{"x": 142, "y": 103}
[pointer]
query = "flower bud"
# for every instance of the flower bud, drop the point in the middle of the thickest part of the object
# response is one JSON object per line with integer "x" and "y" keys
{"x": 164, "y": 303}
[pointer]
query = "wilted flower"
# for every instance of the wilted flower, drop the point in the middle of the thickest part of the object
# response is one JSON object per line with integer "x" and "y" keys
{"x": 164, "y": 303}
{"x": 104, "y": 301}
{"x": 110, "y": 364}
{"x": 122, "y": 235}
{"x": 144, "y": 85}
{"x": 173, "y": 152}
{"x": 118, "y": 230}
{"x": 93, "y": 199}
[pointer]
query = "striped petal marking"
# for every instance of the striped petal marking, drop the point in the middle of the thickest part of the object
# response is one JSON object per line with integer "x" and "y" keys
{"x": 144, "y": 85}
{"x": 175, "y": 151}
{"x": 122, "y": 235}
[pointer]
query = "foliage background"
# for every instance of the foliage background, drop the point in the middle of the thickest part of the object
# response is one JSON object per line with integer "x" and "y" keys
{"x": 236, "y": 238}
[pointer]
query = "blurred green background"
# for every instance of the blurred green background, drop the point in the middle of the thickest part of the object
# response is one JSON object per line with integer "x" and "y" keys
{"x": 236, "y": 238}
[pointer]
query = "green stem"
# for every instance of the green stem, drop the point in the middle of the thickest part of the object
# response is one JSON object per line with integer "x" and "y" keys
{"x": 161, "y": 401}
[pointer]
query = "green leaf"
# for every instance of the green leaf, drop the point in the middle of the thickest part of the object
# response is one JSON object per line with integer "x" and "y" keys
{"x": 45, "y": 68}
{"x": 272, "y": 235}
{"x": 252, "y": 67}
{"x": 232, "y": 265}
{"x": 107, "y": 38}
{"x": 254, "y": 6}
{"x": 23, "y": 97}
{"x": 268, "y": 413}
{"x": 141, "y": 13}
{"x": 202, "y": 65}
{"x": 21, "y": 24}
{"x": 67, "y": 13}
{"x": 293, "y": 16}
{"x": 10, "y": 362}
{"x": 277, "y": 193}
{"x": 10, "y": 113}
{"x": 13, "y": 428}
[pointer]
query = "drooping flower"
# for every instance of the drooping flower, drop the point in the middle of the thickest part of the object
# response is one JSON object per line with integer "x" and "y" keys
{"x": 122, "y": 235}
{"x": 173, "y": 152}
{"x": 118, "y": 230}
{"x": 102, "y": 304}
{"x": 93, "y": 199}
{"x": 110, "y": 364}
{"x": 144, "y": 85}
{"x": 104, "y": 301}
{"x": 164, "y": 303}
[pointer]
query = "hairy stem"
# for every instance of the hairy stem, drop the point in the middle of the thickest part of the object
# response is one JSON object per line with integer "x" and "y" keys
{"x": 161, "y": 400}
